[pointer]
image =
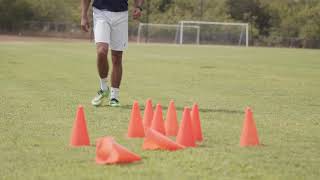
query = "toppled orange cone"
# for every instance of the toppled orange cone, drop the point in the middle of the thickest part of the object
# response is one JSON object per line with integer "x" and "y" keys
{"x": 135, "y": 129}
{"x": 185, "y": 135}
{"x": 148, "y": 114}
{"x": 156, "y": 140}
{"x": 79, "y": 134}
{"x": 110, "y": 152}
{"x": 196, "y": 124}
{"x": 171, "y": 123}
{"x": 157, "y": 121}
{"x": 148, "y": 144}
{"x": 249, "y": 136}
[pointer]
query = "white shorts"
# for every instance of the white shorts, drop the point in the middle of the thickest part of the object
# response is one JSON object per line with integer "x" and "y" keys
{"x": 111, "y": 28}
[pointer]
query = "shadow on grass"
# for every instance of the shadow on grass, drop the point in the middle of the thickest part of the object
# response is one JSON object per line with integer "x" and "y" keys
{"x": 226, "y": 111}
{"x": 314, "y": 105}
{"x": 130, "y": 164}
{"x": 207, "y": 67}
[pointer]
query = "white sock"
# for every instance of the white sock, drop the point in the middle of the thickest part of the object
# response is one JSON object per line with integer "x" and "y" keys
{"x": 114, "y": 93}
{"x": 103, "y": 84}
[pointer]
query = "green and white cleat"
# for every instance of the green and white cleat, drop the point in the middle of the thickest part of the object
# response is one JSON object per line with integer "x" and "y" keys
{"x": 98, "y": 99}
{"x": 114, "y": 103}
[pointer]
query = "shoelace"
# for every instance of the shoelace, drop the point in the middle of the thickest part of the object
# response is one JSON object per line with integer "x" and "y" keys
{"x": 100, "y": 92}
{"x": 116, "y": 100}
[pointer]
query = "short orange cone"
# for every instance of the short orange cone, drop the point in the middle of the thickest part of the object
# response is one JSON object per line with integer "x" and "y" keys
{"x": 79, "y": 135}
{"x": 135, "y": 129}
{"x": 156, "y": 140}
{"x": 148, "y": 114}
{"x": 249, "y": 136}
{"x": 171, "y": 123}
{"x": 196, "y": 124}
{"x": 185, "y": 135}
{"x": 157, "y": 121}
{"x": 110, "y": 152}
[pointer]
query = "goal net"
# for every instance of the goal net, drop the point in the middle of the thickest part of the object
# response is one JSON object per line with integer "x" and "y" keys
{"x": 167, "y": 33}
{"x": 219, "y": 33}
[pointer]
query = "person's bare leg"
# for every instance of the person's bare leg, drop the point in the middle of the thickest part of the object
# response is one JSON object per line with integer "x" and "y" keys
{"x": 116, "y": 74}
{"x": 102, "y": 60}
{"x": 116, "y": 69}
{"x": 103, "y": 68}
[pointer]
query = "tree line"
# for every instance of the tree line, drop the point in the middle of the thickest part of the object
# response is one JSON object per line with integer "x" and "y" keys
{"x": 271, "y": 20}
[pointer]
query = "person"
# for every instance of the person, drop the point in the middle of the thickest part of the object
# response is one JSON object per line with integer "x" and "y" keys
{"x": 110, "y": 19}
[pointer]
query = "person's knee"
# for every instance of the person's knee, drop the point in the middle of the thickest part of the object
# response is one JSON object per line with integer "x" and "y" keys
{"x": 102, "y": 51}
{"x": 117, "y": 58}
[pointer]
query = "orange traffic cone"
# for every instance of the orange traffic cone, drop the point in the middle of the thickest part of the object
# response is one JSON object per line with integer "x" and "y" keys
{"x": 148, "y": 144}
{"x": 185, "y": 135}
{"x": 135, "y": 129}
{"x": 156, "y": 140}
{"x": 148, "y": 114}
{"x": 157, "y": 121}
{"x": 196, "y": 124}
{"x": 171, "y": 123}
{"x": 249, "y": 136}
{"x": 79, "y": 135}
{"x": 110, "y": 152}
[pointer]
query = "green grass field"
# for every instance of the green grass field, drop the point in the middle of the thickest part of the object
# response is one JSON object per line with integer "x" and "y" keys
{"x": 42, "y": 83}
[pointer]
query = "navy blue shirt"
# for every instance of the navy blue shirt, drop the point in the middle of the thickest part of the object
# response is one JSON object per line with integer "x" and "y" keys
{"x": 111, "y": 5}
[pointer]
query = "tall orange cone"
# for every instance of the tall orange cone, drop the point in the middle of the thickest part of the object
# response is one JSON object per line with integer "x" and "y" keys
{"x": 148, "y": 114}
{"x": 249, "y": 136}
{"x": 135, "y": 129}
{"x": 196, "y": 124}
{"x": 185, "y": 135}
{"x": 157, "y": 121}
{"x": 79, "y": 134}
{"x": 110, "y": 152}
{"x": 171, "y": 123}
{"x": 156, "y": 140}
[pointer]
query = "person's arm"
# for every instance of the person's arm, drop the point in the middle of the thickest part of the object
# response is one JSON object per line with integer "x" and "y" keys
{"x": 137, "y": 9}
{"x": 85, "y": 25}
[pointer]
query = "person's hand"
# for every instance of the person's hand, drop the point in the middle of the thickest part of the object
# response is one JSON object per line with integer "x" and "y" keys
{"x": 85, "y": 24}
{"x": 136, "y": 13}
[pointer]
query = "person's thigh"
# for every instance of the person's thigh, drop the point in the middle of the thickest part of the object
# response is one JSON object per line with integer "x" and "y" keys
{"x": 101, "y": 26}
{"x": 119, "y": 32}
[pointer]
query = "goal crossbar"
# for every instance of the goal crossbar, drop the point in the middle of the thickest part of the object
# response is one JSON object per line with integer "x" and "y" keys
{"x": 214, "y": 23}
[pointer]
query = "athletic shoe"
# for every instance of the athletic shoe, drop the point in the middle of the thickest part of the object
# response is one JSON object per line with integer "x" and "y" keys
{"x": 98, "y": 99}
{"x": 114, "y": 103}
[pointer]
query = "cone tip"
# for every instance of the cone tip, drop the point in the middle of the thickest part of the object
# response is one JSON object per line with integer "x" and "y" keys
{"x": 135, "y": 102}
{"x": 187, "y": 108}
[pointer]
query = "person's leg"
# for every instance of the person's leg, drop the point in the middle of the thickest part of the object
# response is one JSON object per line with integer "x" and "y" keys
{"x": 118, "y": 43}
{"x": 116, "y": 74}
{"x": 102, "y": 33}
{"x": 117, "y": 68}
{"x": 103, "y": 69}
{"x": 102, "y": 64}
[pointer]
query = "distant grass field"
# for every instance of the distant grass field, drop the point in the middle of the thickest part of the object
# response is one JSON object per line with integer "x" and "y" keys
{"x": 42, "y": 84}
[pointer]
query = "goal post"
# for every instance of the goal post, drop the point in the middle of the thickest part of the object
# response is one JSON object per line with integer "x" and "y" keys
{"x": 218, "y": 32}
{"x": 166, "y": 33}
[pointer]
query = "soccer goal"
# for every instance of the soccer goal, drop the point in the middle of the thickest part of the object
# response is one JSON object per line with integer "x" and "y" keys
{"x": 167, "y": 33}
{"x": 220, "y": 33}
